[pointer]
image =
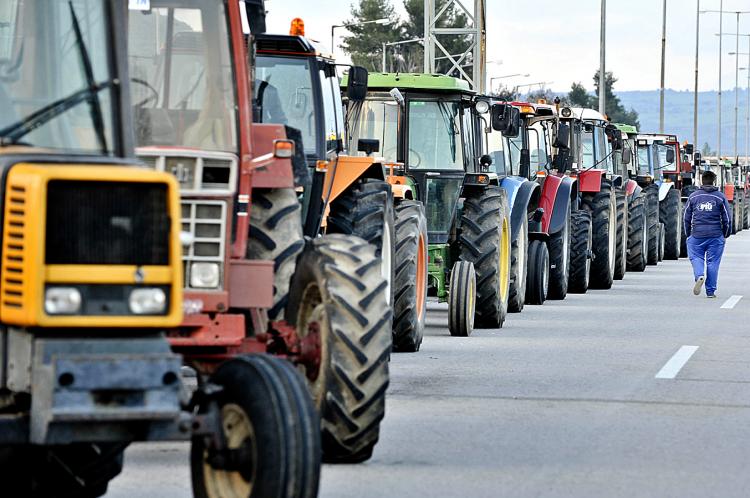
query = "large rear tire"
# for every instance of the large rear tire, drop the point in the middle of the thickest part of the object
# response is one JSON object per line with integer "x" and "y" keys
{"x": 484, "y": 241}
{"x": 410, "y": 281}
{"x": 580, "y": 252}
{"x": 638, "y": 235}
{"x": 366, "y": 210}
{"x": 462, "y": 299}
{"x": 686, "y": 191}
{"x": 559, "y": 256}
{"x": 603, "y": 208}
{"x": 662, "y": 231}
{"x": 745, "y": 210}
{"x": 651, "y": 193}
{"x": 735, "y": 218}
{"x": 80, "y": 470}
{"x": 339, "y": 306}
{"x": 537, "y": 283}
{"x": 621, "y": 260}
{"x": 519, "y": 255}
{"x": 267, "y": 411}
{"x": 276, "y": 235}
{"x": 670, "y": 214}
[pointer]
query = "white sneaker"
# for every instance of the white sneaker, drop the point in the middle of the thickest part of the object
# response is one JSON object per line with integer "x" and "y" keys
{"x": 698, "y": 285}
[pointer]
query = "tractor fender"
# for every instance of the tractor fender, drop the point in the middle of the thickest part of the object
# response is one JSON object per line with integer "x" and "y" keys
{"x": 632, "y": 189}
{"x": 664, "y": 188}
{"x": 344, "y": 171}
{"x": 561, "y": 207}
{"x": 269, "y": 171}
{"x": 521, "y": 193}
{"x": 401, "y": 191}
{"x": 590, "y": 180}
{"x": 550, "y": 185}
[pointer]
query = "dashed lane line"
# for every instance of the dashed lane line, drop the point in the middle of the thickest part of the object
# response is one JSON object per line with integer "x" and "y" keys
{"x": 731, "y": 302}
{"x": 676, "y": 362}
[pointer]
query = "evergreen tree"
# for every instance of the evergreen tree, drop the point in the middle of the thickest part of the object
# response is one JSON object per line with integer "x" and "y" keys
{"x": 365, "y": 43}
{"x": 613, "y": 108}
{"x": 578, "y": 96}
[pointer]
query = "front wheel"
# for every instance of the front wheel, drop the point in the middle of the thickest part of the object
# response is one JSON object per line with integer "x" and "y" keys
{"x": 559, "y": 256}
{"x": 603, "y": 208}
{"x": 580, "y": 252}
{"x": 662, "y": 243}
{"x": 621, "y": 259}
{"x": 269, "y": 427}
{"x": 519, "y": 251}
{"x": 670, "y": 214}
{"x": 537, "y": 281}
{"x": 638, "y": 235}
{"x": 462, "y": 299}
{"x": 651, "y": 194}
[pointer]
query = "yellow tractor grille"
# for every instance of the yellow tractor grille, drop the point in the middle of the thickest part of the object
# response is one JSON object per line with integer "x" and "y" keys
{"x": 13, "y": 250}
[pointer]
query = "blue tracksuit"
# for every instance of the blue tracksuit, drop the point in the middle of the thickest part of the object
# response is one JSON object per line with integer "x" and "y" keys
{"x": 707, "y": 223}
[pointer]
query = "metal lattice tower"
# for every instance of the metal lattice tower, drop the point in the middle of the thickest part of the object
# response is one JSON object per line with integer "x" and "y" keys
{"x": 475, "y": 54}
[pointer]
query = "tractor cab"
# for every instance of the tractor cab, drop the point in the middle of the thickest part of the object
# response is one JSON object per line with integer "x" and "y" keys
{"x": 656, "y": 159}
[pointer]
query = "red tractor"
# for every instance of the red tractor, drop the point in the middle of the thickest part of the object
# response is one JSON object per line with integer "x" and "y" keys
{"x": 253, "y": 283}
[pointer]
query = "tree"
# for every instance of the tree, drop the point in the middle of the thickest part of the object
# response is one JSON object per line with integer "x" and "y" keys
{"x": 540, "y": 94}
{"x": 579, "y": 97}
{"x": 365, "y": 43}
{"x": 613, "y": 108}
{"x": 505, "y": 93}
{"x": 706, "y": 150}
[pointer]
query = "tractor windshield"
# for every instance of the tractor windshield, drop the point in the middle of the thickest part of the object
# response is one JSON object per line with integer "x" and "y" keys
{"x": 182, "y": 82}
{"x": 644, "y": 160}
{"x": 284, "y": 95}
{"x": 662, "y": 152}
{"x": 435, "y": 135}
{"x": 375, "y": 119}
{"x": 56, "y": 75}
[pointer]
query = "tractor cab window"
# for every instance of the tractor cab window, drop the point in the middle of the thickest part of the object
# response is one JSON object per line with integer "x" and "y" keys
{"x": 435, "y": 135}
{"x": 603, "y": 149}
{"x": 587, "y": 147}
{"x": 181, "y": 77}
{"x": 47, "y": 97}
{"x": 537, "y": 148}
{"x": 375, "y": 119}
{"x": 333, "y": 117}
{"x": 499, "y": 151}
{"x": 284, "y": 95}
{"x": 515, "y": 145}
{"x": 662, "y": 153}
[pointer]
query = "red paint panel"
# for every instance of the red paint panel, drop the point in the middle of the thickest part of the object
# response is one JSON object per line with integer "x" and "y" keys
{"x": 729, "y": 192}
{"x": 212, "y": 301}
{"x": 203, "y": 331}
{"x": 250, "y": 284}
{"x": 271, "y": 172}
{"x": 547, "y": 199}
{"x": 590, "y": 180}
{"x": 630, "y": 186}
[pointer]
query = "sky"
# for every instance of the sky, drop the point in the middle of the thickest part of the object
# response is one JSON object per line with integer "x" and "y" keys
{"x": 557, "y": 41}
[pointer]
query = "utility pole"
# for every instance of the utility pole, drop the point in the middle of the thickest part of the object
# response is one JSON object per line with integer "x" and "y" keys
{"x": 663, "y": 57}
{"x": 721, "y": 33}
{"x": 737, "y": 85}
{"x": 602, "y": 59}
{"x": 695, "y": 93}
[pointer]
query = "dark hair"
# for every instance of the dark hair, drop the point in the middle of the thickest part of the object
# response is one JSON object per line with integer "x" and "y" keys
{"x": 708, "y": 178}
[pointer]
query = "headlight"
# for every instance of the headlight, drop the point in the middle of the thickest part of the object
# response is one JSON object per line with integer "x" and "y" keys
{"x": 62, "y": 300}
{"x": 204, "y": 275}
{"x": 147, "y": 301}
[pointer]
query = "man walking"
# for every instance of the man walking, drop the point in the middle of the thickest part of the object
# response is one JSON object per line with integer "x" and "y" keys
{"x": 707, "y": 224}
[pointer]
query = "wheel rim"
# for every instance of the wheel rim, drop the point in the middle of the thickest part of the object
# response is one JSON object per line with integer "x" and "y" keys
{"x": 385, "y": 261}
{"x": 504, "y": 260}
{"x": 224, "y": 484}
{"x": 470, "y": 303}
{"x": 421, "y": 276}
{"x": 588, "y": 257}
{"x": 521, "y": 258}
{"x": 566, "y": 243}
{"x": 312, "y": 322}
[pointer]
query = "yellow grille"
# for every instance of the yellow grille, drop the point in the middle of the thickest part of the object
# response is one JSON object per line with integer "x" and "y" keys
{"x": 14, "y": 245}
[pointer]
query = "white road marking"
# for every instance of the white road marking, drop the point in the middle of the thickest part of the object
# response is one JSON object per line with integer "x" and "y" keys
{"x": 676, "y": 362}
{"x": 731, "y": 302}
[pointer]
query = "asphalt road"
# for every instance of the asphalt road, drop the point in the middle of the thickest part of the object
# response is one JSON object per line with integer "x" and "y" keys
{"x": 563, "y": 401}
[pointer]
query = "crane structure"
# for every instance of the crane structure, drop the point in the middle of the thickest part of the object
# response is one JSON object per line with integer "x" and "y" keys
{"x": 469, "y": 64}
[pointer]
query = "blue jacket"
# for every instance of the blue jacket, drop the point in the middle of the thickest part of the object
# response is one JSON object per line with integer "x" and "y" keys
{"x": 707, "y": 214}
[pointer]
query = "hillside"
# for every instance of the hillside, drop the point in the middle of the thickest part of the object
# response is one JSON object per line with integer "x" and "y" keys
{"x": 678, "y": 115}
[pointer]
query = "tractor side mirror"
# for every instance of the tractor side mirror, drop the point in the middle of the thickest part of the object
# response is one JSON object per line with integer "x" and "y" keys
{"x": 356, "y": 87}
{"x": 506, "y": 119}
{"x": 256, "y": 16}
{"x": 562, "y": 138}
{"x": 697, "y": 159}
{"x": 368, "y": 145}
{"x": 485, "y": 162}
{"x": 627, "y": 156}
{"x": 670, "y": 156}
{"x": 688, "y": 149}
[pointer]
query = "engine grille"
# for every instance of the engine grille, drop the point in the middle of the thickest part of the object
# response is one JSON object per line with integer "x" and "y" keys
{"x": 98, "y": 223}
{"x": 206, "y": 221}
{"x": 13, "y": 247}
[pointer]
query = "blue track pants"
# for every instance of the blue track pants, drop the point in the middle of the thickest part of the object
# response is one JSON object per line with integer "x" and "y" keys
{"x": 706, "y": 253}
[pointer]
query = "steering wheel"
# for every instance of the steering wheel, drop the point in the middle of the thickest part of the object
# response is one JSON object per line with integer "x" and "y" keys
{"x": 154, "y": 94}
{"x": 392, "y": 153}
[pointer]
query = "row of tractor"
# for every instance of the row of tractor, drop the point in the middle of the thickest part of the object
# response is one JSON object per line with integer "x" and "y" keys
{"x": 284, "y": 243}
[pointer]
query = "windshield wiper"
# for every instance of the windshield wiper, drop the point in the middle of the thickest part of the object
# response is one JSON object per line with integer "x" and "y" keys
{"x": 13, "y": 133}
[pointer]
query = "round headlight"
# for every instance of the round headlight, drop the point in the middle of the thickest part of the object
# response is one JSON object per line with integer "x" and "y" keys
{"x": 482, "y": 106}
{"x": 204, "y": 275}
{"x": 62, "y": 300}
{"x": 147, "y": 301}
{"x": 566, "y": 112}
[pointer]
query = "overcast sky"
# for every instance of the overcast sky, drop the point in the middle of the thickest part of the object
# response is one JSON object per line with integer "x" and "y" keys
{"x": 558, "y": 40}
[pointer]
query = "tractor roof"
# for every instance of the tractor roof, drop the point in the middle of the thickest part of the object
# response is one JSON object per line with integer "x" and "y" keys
{"x": 658, "y": 137}
{"x": 583, "y": 113}
{"x": 416, "y": 81}
{"x": 630, "y": 129}
{"x": 287, "y": 45}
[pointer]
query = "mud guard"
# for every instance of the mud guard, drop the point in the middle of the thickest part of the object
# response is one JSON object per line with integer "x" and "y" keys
{"x": 520, "y": 193}
{"x": 632, "y": 190}
{"x": 664, "y": 188}
{"x": 565, "y": 193}
{"x": 590, "y": 180}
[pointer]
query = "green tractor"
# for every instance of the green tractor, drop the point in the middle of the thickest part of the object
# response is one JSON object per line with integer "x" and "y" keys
{"x": 429, "y": 128}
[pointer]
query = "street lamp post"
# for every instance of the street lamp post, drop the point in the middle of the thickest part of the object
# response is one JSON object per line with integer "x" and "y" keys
{"x": 695, "y": 93}
{"x": 603, "y": 58}
{"x": 384, "y": 20}
{"x": 663, "y": 57}
{"x": 507, "y": 76}
{"x": 747, "y": 111}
